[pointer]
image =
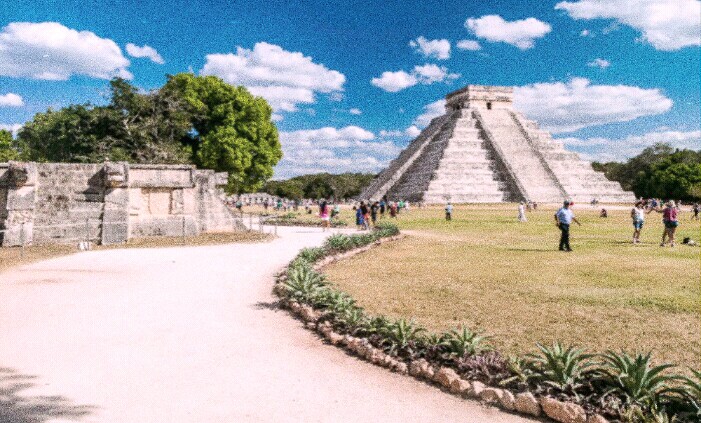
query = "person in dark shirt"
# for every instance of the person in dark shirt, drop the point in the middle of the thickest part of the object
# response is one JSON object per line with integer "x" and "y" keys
{"x": 373, "y": 212}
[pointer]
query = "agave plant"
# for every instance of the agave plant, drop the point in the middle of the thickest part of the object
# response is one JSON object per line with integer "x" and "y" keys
{"x": 303, "y": 283}
{"x": 464, "y": 342}
{"x": 311, "y": 255}
{"x": 339, "y": 242}
{"x": 561, "y": 367}
{"x": 353, "y": 319}
{"x": 402, "y": 333}
{"x": 637, "y": 380}
{"x": 692, "y": 392}
{"x": 337, "y": 301}
{"x": 378, "y": 325}
{"x": 521, "y": 372}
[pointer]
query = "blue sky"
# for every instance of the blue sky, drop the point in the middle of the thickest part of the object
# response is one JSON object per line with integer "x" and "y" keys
{"x": 352, "y": 82}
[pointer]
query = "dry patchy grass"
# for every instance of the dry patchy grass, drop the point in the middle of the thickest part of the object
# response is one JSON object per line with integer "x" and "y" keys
{"x": 488, "y": 271}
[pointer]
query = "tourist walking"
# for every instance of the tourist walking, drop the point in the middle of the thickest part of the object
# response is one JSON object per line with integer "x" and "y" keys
{"x": 448, "y": 211}
{"x": 383, "y": 205}
{"x": 373, "y": 212}
{"x": 324, "y": 215}
{"x": 358, "y": 218}
{"x": 695, "y": 208}
{"x": 563, "y": 219}
{"x": 393, "y": 210}
{"x": 638, "y": 216}
{"x": 670, "y": 221}
{"x": 522, "y": 212}
{"x": 365, "y": 211}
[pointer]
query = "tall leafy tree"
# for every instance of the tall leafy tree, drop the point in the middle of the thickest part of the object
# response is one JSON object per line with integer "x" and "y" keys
{"x": 232, "y": 130}
{"x": 191, "y": 119}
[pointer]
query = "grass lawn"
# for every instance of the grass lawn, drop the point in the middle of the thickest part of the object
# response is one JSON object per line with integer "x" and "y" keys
{"x": 488, "y": 271}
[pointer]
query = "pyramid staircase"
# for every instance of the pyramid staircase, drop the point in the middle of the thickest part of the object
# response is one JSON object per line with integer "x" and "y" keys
{"x": 481, "y": 151}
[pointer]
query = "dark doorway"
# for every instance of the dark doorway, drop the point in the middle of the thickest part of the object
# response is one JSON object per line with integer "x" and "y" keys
{"x": 489, "y": 105}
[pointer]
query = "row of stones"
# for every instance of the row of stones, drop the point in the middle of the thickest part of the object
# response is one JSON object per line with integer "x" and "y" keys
{"x": 524, "y": 402}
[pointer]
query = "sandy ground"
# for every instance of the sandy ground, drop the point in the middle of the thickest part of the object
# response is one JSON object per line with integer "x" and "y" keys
{"x": 187, "y": 335}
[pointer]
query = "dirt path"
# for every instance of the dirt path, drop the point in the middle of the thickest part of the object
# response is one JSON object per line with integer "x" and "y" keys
{"x": 187, "y": 335}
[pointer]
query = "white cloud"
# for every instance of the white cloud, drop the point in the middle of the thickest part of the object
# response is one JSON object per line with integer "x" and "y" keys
{"x": 470, "y": 45}
{"x": 599, "y": 63}
{"x": 566, "y": 107}
{"x": 146, "y": 51}
{"x": 521, "y": 33}
{"x": 438, "y": 49}
{"x": 586, "y": 33}
{"x": 431, "y": 111}
{"x": 349, "y": 149}
{"x": 11, "y": 100}
{"x": 430, "y": 73}
{"x": 413, "y": 131}
{"x": 394, "y": 81}
{"x": 410, "y": 132}
{"x": 284, "y": 78}
{"x": 51, "y": 51}
{"x": 355, "y": 111}
{"x": 427, "y": 74}
{"x": 606, "y": 149}
{"x": 12, "y": 127}
{"x": 666, "y": 24}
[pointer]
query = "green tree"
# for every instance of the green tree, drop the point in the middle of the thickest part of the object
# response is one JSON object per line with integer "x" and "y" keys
{"x": 659, "y": 171}
{"x": 232, "y": 130}
{"x": 8, "y": 147}
{"x": 191, "y": 119}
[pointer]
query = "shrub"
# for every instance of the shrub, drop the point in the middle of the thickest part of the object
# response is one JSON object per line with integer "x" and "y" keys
{"x": 384, "y": 229}
{"x": 403, "y": 335}
{"x": 339, "y": 242}
{"x": 488, "y": 367}
{"x": 522, "y": 373}
{"x": 560, "y": 367}
{"x": 460, "y": 343}
{"x": 303, "y": 283}
{"x": 311, "y": 255}
{"x": 636, "y": 379}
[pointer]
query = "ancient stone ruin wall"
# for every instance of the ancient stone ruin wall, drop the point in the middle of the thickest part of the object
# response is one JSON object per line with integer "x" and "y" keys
{"x": 108, "y": 203}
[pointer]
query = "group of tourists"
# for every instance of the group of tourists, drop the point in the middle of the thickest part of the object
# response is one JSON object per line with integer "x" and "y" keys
{"x": 670, "y": 219}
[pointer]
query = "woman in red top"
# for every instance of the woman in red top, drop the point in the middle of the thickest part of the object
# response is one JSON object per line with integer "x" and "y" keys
{"x": 669, "y": 218}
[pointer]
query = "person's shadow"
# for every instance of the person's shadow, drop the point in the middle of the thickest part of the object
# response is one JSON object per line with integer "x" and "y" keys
{"x": 18, "y": 408}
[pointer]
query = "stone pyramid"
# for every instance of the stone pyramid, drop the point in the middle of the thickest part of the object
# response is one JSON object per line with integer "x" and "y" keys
{"x": 483, "y": 151}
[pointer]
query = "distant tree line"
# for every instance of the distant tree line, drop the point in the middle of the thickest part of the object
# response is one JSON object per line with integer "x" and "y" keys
{"x": 198, "y": 120}
{"x": 321, "y": 185}
{"x": 659, "y": 171}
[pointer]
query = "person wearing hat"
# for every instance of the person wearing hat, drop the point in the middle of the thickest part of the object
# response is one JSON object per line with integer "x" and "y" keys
{"x": 563, "y": 219}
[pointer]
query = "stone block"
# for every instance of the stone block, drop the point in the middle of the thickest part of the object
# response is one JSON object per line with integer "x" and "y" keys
{"x": 116, "y": 174}
{"x": 22, "y": 174}
{"x": 115, "y": 233}
{"x": 161, "y": 176}
{"x": 23, "y": 198}
{"x": 117, "y": 197}
{"x": 563, "y": 412}
{"x": 526, "y": 403}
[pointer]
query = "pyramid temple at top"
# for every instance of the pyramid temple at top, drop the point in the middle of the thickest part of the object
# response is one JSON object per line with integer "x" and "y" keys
{"x": 483, "y": 151}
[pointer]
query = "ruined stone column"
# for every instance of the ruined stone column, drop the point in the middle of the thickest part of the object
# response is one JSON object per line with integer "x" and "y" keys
{"x": 20, "y": 204}
{"x": 115, "y": 218}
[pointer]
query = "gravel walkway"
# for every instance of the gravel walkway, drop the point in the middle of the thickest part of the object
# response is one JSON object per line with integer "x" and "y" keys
{"x": 187, "y": 335}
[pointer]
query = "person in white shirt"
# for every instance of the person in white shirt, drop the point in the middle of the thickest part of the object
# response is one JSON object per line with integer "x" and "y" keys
{"x": 563, "y": 219}
{"x": 522, "y": 212}
{"x": 638, "y": 216}
{"x": 448, "y": 211}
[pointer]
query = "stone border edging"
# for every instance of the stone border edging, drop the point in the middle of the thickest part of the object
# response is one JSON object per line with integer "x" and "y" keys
{"x": 447, "y": 378}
